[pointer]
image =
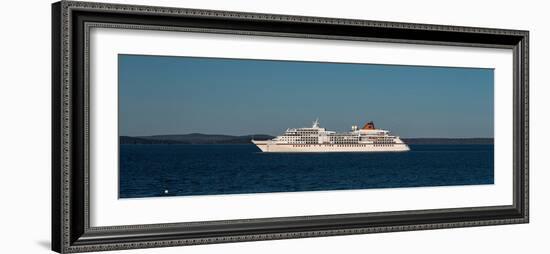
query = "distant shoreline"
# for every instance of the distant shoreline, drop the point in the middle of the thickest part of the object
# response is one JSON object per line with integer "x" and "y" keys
{"x": 199, "y": 138}
{"x": 450, "y": 141}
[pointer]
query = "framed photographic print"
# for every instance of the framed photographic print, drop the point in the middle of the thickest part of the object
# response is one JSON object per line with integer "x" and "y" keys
{"x": 181, "y": 126}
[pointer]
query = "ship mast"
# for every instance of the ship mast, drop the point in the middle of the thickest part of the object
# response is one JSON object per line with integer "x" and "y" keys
{"x": 316, "y": 123}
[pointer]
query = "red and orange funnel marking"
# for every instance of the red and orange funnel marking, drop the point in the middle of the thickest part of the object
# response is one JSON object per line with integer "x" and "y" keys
{"x": 369, "y": 126}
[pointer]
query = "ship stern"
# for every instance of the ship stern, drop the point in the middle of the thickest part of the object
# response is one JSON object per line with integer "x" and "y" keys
{"x": 403, "y": 147}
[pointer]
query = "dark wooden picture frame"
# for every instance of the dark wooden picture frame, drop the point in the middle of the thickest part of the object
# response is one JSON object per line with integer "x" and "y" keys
{"x": 71, "y": 22}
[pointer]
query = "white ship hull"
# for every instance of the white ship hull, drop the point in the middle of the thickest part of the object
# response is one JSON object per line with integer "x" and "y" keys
{"x": 273, "y": 147}
{"x": 320, "y": 140}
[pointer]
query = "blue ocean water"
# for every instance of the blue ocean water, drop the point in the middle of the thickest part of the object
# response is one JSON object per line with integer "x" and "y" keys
{"x": 150, "y": 170}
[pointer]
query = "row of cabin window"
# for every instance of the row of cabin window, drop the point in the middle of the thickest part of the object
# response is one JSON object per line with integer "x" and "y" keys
{"x": 345, "y": 145}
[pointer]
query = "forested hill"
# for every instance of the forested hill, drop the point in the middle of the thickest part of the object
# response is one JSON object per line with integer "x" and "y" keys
{"x": 198, "y": 138}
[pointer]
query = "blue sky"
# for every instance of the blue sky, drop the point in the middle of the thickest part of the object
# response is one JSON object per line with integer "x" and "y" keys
{"x": 179, "y": 95}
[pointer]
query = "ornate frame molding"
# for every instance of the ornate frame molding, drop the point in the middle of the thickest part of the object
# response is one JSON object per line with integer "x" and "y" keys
{"x": 71, "y": 22}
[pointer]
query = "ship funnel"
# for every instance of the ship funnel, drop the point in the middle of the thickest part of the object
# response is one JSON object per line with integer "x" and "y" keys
{"x": 369, "y": 126}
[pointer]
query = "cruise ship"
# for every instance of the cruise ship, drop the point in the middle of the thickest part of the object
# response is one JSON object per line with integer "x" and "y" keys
{"x": 320, "y": 140}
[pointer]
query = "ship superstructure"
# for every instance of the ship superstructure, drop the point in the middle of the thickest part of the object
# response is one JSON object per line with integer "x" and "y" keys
{"x": 317, "y": 139}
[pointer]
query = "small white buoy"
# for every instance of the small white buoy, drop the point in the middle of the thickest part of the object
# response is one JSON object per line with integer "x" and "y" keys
{"x": 165, "y": 191}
